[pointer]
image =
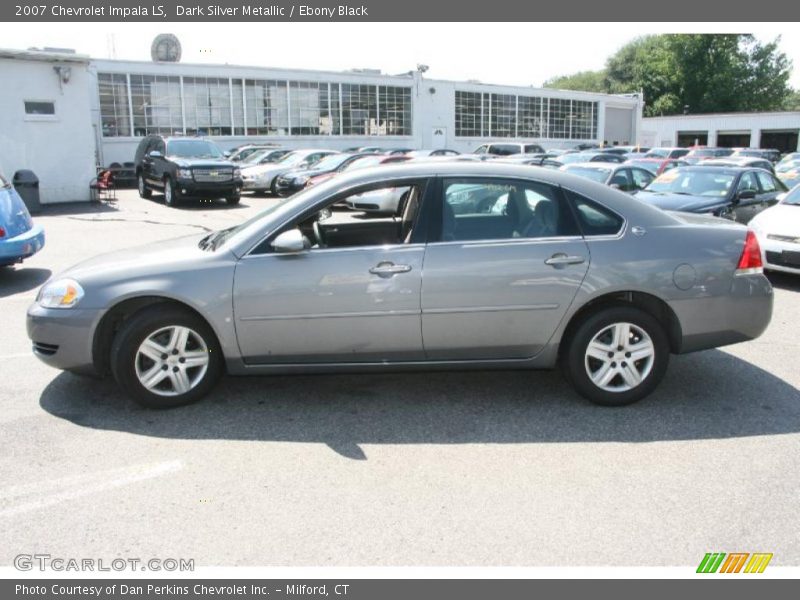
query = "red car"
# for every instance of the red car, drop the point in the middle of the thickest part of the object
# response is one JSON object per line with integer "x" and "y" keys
{"x": 372, "y": 160}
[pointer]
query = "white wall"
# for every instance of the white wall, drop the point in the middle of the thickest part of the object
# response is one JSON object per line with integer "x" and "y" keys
{"x": 59, "y": 149}
{"x": 664, "y": 130}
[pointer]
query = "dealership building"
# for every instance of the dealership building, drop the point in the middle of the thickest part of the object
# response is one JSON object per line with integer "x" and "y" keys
{"x": 777, "y": 130}
{"x": 63, "y": 115}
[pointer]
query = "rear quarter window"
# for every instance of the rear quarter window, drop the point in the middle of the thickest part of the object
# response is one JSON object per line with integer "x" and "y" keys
{"x": 594, "y": 219}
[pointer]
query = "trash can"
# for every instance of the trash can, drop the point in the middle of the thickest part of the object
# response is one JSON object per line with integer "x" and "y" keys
{"x": 27, "y": 185}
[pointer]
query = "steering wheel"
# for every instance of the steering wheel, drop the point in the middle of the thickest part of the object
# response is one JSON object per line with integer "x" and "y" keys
{"x": 318, "y": 235}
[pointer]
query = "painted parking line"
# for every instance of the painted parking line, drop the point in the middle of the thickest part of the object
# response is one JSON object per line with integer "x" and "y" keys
{"x": 35, "y": 496}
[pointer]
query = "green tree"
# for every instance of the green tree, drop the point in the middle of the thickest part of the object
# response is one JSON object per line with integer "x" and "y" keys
{"x": 700, "y": 73}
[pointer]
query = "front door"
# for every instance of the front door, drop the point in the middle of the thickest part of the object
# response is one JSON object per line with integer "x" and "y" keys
{"x": 353, "y": 296}
{"x": 502, "y": 271}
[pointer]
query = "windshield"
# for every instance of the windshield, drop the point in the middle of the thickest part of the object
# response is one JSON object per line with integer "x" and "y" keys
{"x": 193, "y": 149}
{"x": 331, "y": 162}
{"x": 644, "y": 164}
{"x": 575, "y": 158}
{"x": 793, "y": 197}
{"x": 658, "y": 153}
{"x": 215, "y": 239}
{"x": 290, "y": 159}
{"x": 256, "y": 156}
{"x": 599, "y": 175}
{"x": 705, "y": 182}
{"x": 788, "y": 166}
{"x": 368, "y": 161}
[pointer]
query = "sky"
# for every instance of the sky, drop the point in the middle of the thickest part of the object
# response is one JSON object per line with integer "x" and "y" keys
{"x": 506, "y": 53}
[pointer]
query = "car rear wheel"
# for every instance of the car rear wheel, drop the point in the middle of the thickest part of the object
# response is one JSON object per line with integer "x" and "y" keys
{"x": 171, "y": 194}
{"x": 273, "y": 187}
{"x": 233, "y": 200}
{"x": 166, "y": 357}
{"x": 144, "y": 191}
{"x": 617, "y": 356}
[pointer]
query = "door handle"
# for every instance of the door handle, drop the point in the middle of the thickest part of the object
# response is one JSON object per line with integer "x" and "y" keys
{"x": 388, "y": 269}
{"x": 560, "y": 259}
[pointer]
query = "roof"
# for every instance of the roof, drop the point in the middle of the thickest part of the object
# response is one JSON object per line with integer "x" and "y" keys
{"x": 43, "y": 56}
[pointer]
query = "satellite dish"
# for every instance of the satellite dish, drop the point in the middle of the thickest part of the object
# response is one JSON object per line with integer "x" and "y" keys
{"x": 165, "y": 48}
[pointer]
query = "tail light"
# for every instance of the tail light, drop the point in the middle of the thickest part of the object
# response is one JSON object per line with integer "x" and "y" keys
{"x": 2, "y": 232}
{"x": 750, "y": 260}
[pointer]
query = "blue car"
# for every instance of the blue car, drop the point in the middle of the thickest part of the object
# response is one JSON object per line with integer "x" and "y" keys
{"x": 19, "y": 237}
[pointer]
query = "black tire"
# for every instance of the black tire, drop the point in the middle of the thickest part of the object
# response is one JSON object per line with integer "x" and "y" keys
{"x": 144, "y": 191}
{"x": 273, "y": 187}
{"x": 125, "y": 358}
{"x": 233, "y": 200}
{"x": 575, "y": 363}
{"x": 171, "y": 194}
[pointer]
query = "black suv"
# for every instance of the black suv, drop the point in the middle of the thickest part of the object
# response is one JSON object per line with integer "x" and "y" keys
{"x": 184, "y": 167}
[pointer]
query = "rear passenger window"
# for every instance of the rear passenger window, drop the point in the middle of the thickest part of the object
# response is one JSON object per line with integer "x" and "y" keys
{"x": 766, "y": 181}
{"x": 479, "y": 209}
{"x": 595, "y": 219}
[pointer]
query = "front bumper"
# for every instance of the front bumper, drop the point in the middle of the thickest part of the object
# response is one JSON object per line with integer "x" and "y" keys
{"x": 286, "y": 187}
{"x": 13, "y": 250}
{"x": 780, "y": 256}
{"x": 190, "y": 188}
{"x": 63, "y": 338}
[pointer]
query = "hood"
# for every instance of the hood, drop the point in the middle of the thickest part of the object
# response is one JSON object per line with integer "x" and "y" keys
{"x": 781, "y": 219}
{"x": 158, "y": 257}
{"x": 304, "y": 173}
{"x": 681, "y": 202}
{"x": 14, "y": 215}
{"x": 185, "y": 163}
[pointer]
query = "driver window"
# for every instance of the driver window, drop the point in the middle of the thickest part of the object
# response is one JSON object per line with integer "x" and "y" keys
{"x": 377, "y": 217}
{"x": 748, "y": 182}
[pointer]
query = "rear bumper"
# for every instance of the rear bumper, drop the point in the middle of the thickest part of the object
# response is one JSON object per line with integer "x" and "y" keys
{"x": 739, "y": 316}
{"x": 26, "y": 244}
{"x": 62, "y": 338}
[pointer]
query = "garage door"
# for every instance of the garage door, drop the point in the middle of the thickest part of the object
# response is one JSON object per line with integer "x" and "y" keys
{"x": 619, "y": 126}
{"x": 692, "y": 138}
{"x": 733, "y": 139}
{"x": 784, "y": 140}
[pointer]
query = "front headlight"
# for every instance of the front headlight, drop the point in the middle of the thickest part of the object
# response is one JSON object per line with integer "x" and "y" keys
{"x": 301, "y": 180}
{"x": 63, "y": 293}
{"x": 237, "y": 173}
{"x": 185, "y": 173}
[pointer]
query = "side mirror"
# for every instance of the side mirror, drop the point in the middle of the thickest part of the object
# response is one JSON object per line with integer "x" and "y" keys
{"x": 155, "y": 154}
{"x": 746, "y": 195}
{"x": 226, "y": 154}
{"x": 292, "y": 240}
{"x": 615, "y": 186}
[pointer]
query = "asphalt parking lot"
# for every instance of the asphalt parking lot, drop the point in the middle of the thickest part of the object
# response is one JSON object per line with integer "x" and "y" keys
{"x": 455, "y": 468}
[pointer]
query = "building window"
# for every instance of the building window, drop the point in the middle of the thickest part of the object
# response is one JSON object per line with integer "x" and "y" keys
{"x": 40, "y": 108}
{"x": 395, "y": 110}
{"x": 156, "y": 105}
{"x": 115, "y": 117}
{"x": 310, "y": 112}
{"x": 237, "y": 96}
{"x": 207, "y": 105}
{"x": 529, "y": 117}
{"x": 359, "y": 109}
{"x": 503, "y": 115}
{"x": 267, "y": 107}
{"x": 469, "y": 114}
{"x": 507, "y": 115}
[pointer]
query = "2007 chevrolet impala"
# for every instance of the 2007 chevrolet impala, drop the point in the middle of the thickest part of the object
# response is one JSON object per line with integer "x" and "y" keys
{"x": 483, "y": 265}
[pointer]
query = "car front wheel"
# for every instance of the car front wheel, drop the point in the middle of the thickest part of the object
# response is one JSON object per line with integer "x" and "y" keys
{"x": 166, "y": 357}
{"x": 232, "y": 200}
{"x": 617, "y": 356}
{"x": 144, "y": 191}
{"x": 171, "y": 195}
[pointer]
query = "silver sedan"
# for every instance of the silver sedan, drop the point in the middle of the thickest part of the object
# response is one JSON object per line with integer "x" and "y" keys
{"x": 482, "y": 265}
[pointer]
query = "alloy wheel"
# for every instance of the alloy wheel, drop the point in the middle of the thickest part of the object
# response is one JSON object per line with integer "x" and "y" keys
{"x": 172, "y": 361}
{"x": 619, "y": 357}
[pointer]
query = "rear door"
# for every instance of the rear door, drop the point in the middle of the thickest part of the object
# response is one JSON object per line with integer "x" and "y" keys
{"x": 502, "y": 266}
{"x": 769, "y": 188}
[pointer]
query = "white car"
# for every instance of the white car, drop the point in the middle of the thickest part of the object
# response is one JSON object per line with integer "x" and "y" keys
{"x": 385, "y": 201}
{"x": 778, "y": 231}
{"x": 263, "y": 177}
